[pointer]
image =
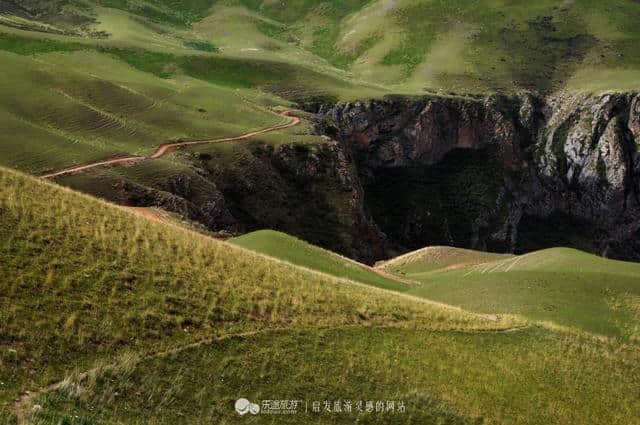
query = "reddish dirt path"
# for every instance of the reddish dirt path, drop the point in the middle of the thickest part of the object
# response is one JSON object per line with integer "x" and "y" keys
{"x": 168, "y": 147}
{"x": 146, "y": 212}
{"x": 78, "y": 168}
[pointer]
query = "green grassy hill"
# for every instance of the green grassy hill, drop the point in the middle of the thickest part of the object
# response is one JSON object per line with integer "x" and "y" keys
{"x": 464, "y": 46}
{"x": 148, "y": 323}
{"x": 435, "y": 258}
{"x": 560, "y": 285}
{"x": 121, "y": 77}
{"x": 453, "y": 378}
{"x": 461, "y": 45}
{"x": 85, "y": 282}
{"x": 295, "y": 251}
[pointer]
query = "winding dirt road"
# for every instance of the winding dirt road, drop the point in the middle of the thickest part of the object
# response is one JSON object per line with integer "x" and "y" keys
{"x": 168, "y": 147}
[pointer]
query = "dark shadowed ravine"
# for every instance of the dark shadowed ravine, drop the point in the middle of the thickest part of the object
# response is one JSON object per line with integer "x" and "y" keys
{"x": 502, "y": 174}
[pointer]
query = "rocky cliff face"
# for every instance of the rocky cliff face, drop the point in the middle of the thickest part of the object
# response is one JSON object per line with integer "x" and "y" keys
{"x": 504, "y": 174}
{"x": 312, "y": 191}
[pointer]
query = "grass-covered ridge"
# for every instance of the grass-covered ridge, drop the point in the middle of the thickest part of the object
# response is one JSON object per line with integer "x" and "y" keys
{"x": 560, "y": 285}
{"x": 442, "y": 377}
{"x": 462, "y": 46}
{"x": 141, "y": 317}
{"x": 122, "y": 76}
{"x": 86, "y": 281}
{"x": 148, "y": 323}
{"x": 105, "y": 98}
{"x": 300, "y": 253}
{"x": 436, "y": 258}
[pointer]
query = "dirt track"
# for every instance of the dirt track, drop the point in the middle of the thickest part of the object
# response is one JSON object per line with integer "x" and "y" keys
{"x": 145, "y": 212}
{"x": 168, "y": 147}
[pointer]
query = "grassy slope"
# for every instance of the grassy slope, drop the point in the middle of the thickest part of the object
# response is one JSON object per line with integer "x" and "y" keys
{"x": 89, "y": 284}
{"x": 565, "y": 286}
{"x": 435, "y": 258}
{"x": 300, "y": 253}
{"x": 84, "y": 284}
{"x": 532, "y": 376}
{"x": 123, "y": 76}
{"x": 106, "y": 107}
{"x": 462, "y": 46}
{"x": 125, "y": 94}
{"x": 85, "y": 281}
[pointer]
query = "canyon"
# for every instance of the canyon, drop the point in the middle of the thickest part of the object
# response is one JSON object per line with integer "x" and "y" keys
{"x": 501, "y": 174}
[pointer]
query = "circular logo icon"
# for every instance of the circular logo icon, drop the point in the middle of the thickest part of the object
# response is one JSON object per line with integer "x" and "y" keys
{"x": 244, "y": 406}
{"x": 254, "y": 409}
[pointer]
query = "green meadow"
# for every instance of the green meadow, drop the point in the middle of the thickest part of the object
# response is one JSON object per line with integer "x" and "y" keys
{"x": 302, "y": 254}
{"x": 560, "y": 285}
{"x": 121, "y": 77}
{"x": 134, "y": 321}
{"x": 86, "y": 282}
{"x": 436, "y": 258}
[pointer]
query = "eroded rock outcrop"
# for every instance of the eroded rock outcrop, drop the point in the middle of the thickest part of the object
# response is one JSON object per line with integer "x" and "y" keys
{"x": 506, "y": 174}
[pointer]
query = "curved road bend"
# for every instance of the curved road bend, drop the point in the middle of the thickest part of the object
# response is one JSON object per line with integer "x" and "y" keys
{"x": 168, "y": 147}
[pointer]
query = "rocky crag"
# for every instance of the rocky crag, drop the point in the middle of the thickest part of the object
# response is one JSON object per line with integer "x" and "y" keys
{"x": 312, "y": 191}
{"x": 506, "y": 174}
{"x": 502, "y": 174}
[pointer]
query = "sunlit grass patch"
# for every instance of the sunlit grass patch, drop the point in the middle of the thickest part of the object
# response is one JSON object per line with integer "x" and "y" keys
{"x": 88, "y": 281}
{"x": 300, "y": 253}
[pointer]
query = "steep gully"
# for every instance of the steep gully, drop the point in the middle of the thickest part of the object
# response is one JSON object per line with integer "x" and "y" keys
{"x": 503, "y": 174}
{"x": 168, "y": 147}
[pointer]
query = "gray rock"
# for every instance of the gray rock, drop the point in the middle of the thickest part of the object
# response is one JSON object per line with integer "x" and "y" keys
{"x": 574, "y": 156}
